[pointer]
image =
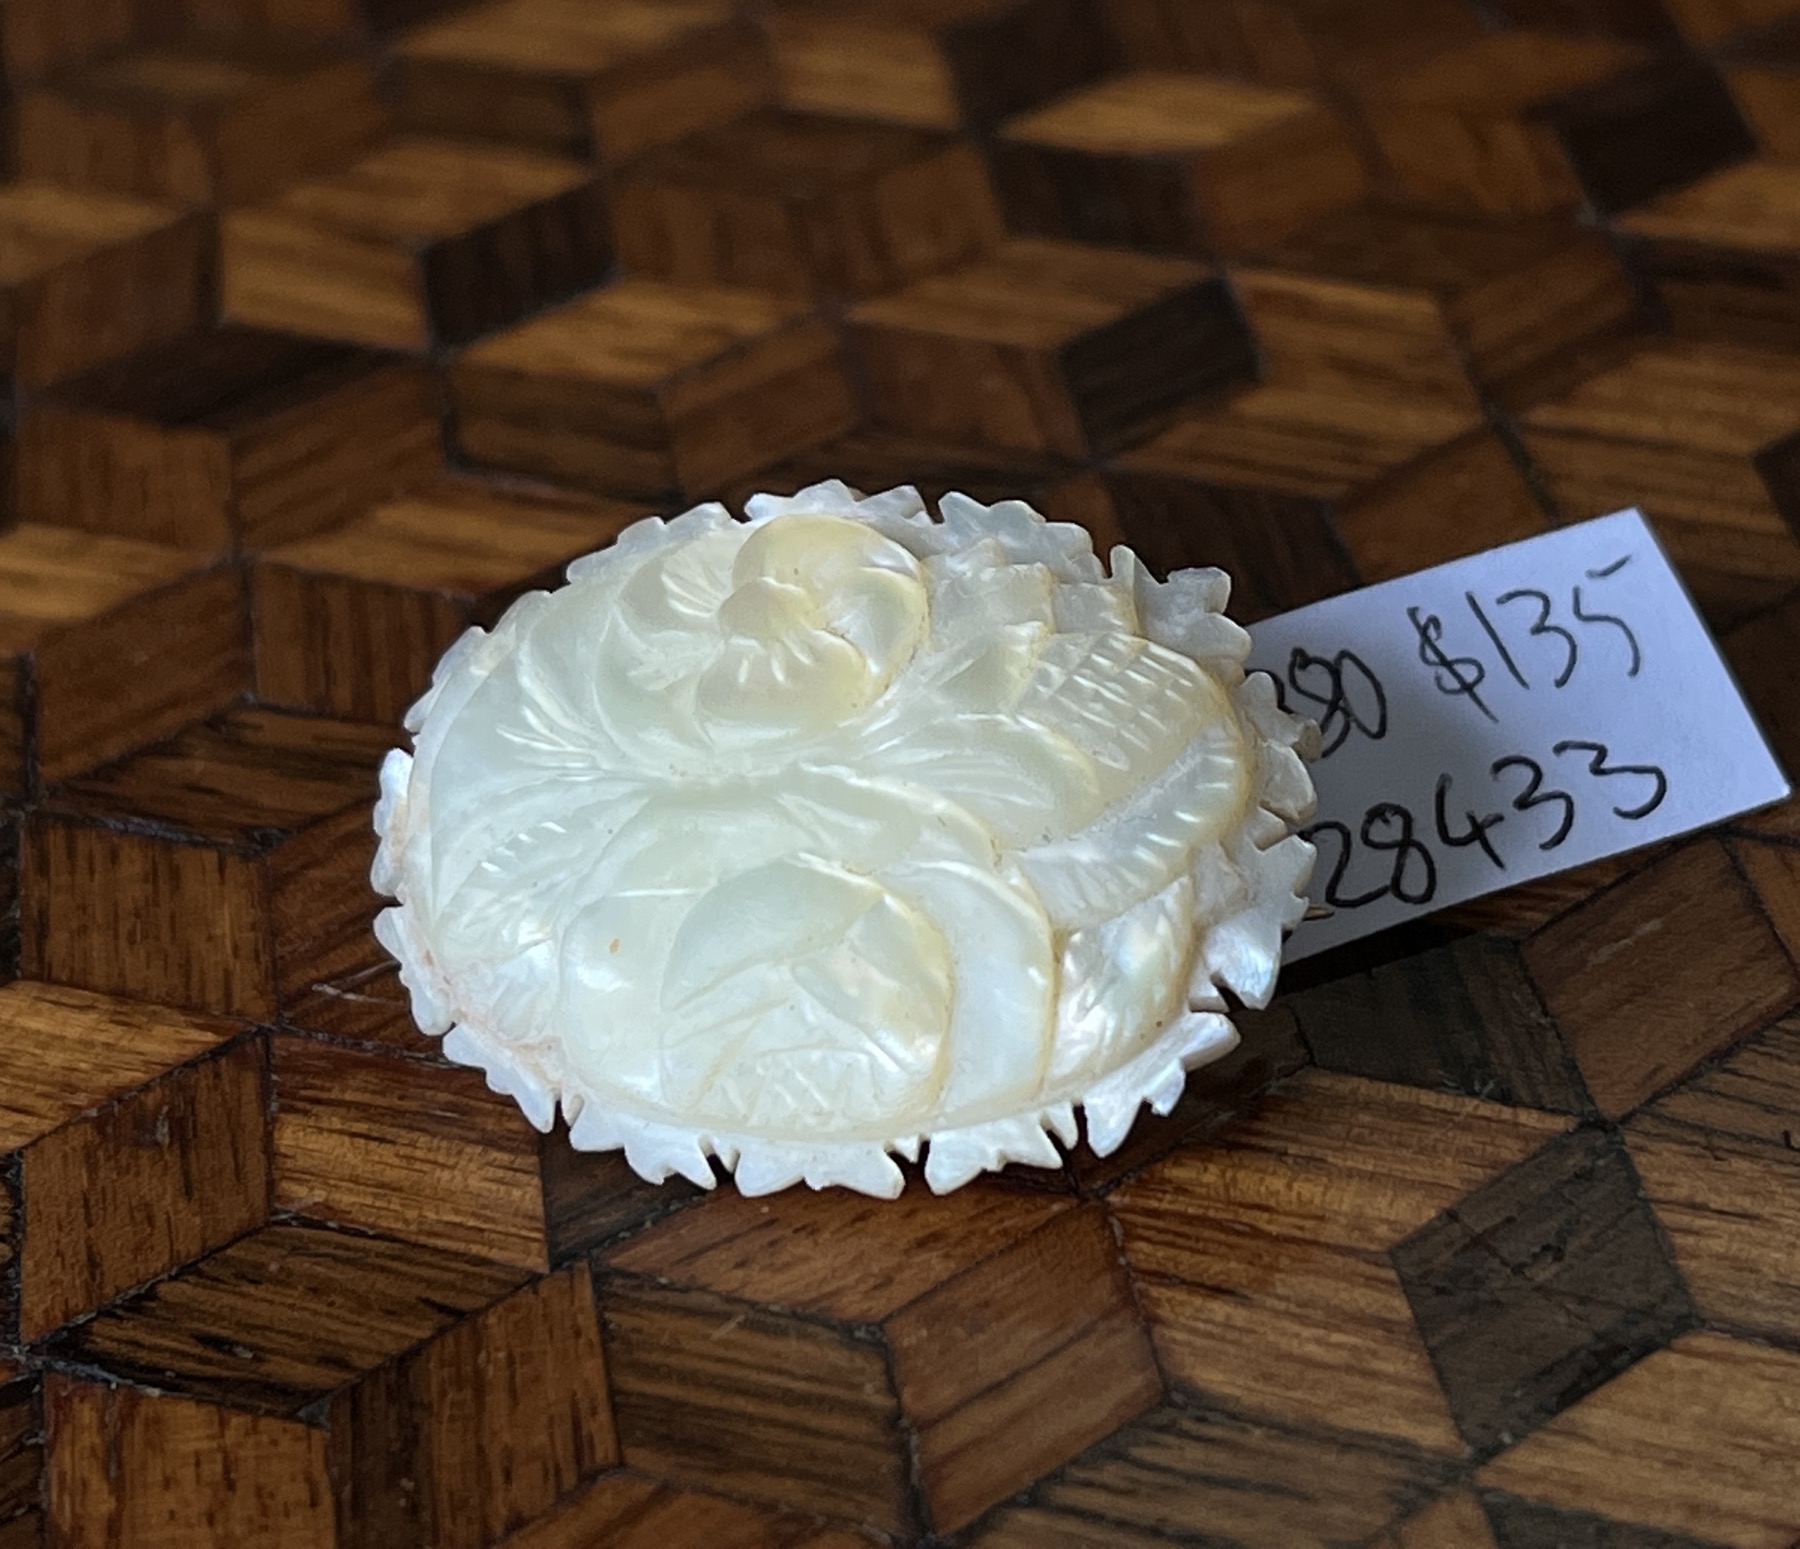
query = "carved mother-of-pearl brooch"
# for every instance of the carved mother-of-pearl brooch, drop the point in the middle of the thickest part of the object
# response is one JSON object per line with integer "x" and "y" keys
{"x": 840, "y": 831}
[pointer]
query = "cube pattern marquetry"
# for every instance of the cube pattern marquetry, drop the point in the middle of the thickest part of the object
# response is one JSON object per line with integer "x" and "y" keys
{"x": 328, "y": 328}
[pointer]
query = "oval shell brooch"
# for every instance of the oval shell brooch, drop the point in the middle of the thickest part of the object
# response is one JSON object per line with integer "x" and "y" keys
{"x": 843, "y": 832}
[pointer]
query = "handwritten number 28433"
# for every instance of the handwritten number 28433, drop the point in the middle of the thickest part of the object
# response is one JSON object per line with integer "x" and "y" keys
{"x": 1389, "y": 828}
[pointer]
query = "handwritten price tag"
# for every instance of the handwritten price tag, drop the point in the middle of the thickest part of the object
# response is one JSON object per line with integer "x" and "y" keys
{"x": 1507, "y": 716}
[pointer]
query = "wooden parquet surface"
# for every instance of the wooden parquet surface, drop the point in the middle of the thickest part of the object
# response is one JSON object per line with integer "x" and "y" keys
{"x": 328, "y": 326}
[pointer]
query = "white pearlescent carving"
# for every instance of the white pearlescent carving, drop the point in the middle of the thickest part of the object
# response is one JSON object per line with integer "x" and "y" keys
{"x": 807, "y": 839}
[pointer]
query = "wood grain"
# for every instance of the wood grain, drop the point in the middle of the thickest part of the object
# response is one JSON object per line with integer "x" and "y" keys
{"x": 207, "y": 949}
{"x": 1720, "y": 1161}
{"x": 86, "y": 277}
{"x": 1760, "y": 71}
{"x": 1459, "y": 133}
{"x": 1454, "y": 1521}
{"x": 1523, "y": 909}
{"x": 1540, "y": 1286}
{"x": 1322, "y": 334}
{"x": 1704, "y": 1398}
{"x": 1176, "y": 162}
{"x": 593, "y": 1198}
{"x": 214, "y": 950}
{"x": 935, "y": 63}
{"x": 718, "y": 1392}
{"x": 1509, "y": 296}
{"x": 481, "y": 1430}
{"x": 1652, "y": 1027}
{"x": 68, "y": 602}
{"x": 1754, "y": 652}
{"x": 330, "y": 327}
{"x": 1713, "y": 21}
{"x": 1270, "y": 1051}
{"x": 646, "y": 386}
{"x": 1182, "y": 1471}
{"x": 1279, "y": 1300}
{"x": 1251, "y": 40}
{"x": 140, "y": 671}
{"x": 577, "y": 79}
{"x": 1773, "y": 872}
{"x": 1531, "y": 122}
{"x": 422, "y": 1153}
{"x": 38, "y": 35}
{"x": 1391, "y": 527}
{"x": 1701, "y": 473}
{"x": 103, "y": 1048}
{"x": 21, "y": 1460}
{"x": 328, "y": 977}
{"x": 286, "y": 1316}
{"x": 237, "y": 437}
{"x": 242, "y": 1478}
{"x": 211, "y": 122}
{"x": 249, "y": 778}
{"x": 1719, "y": 253}
{"x": 781, "y": 1251}
{"x": 1458, "y": 1018}
{"x": 1518, "y": 1523}
{"x": 1293, "y": 486}
{"x": 800, "y": 204}
{"x": 955, "y": 1306}
{"x": 350, "y": 622}
{"x": 634, "y": 1511}
{"x": 148, "y": 1183}
{"x": 1280, "y": 546}
{"x": 419, "y": 241}
{"x": 1025, "y": 349}
{"x": 975, "y": 1359}
{"x": 291, "y": 20}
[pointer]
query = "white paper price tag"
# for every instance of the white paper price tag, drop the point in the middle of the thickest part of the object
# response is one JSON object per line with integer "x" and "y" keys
{"x": 1507, "y": 716}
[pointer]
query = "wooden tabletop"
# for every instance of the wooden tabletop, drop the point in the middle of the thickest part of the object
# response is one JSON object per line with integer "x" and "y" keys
{"x": 329, "y": 326}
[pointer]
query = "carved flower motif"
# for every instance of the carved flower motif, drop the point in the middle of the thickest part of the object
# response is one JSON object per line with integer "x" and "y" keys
{"x": 802, "y": 840}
